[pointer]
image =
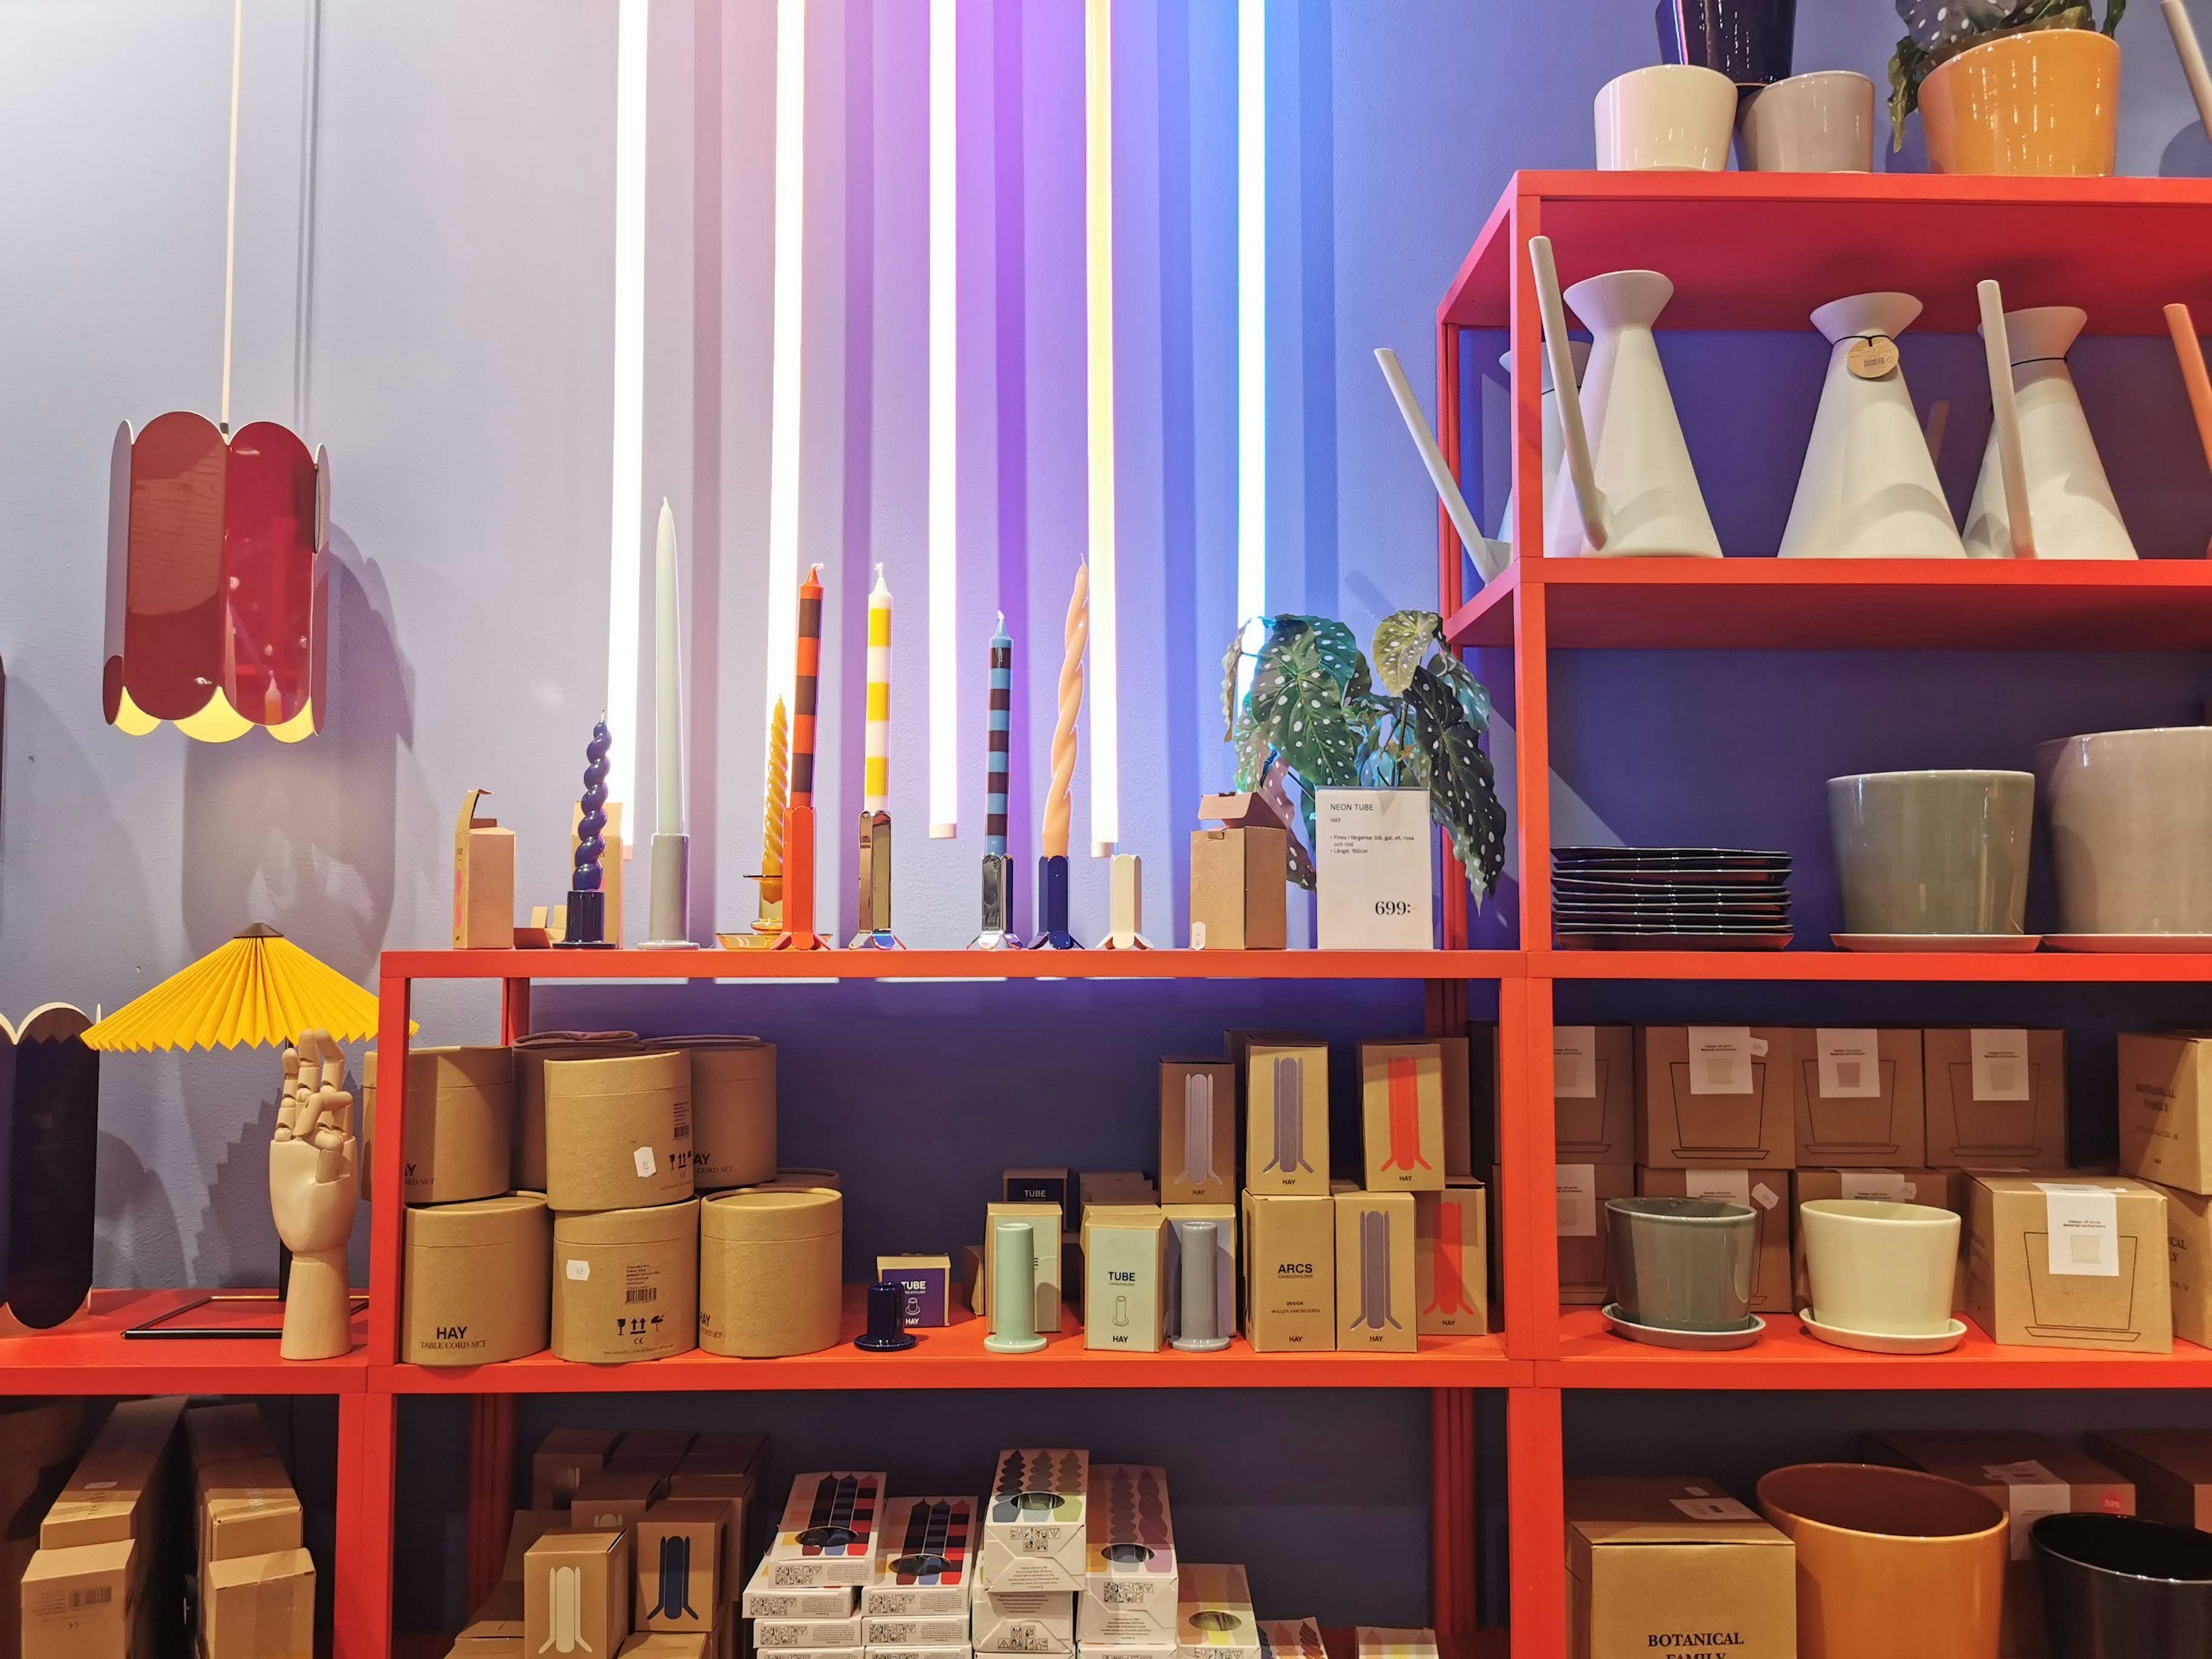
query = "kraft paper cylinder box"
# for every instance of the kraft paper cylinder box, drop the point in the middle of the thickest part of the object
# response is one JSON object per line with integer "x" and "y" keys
{"x": 2028, "y": 1476}
{"x": 679, "y": 1559}
{"x": 2165, "y": 1110}
{"x": 1287, "y": 1117}
{"x": 478, "y": 1287}
{"x": 1995, "y": 1096}
{"x": 576, "y": 1593}
{"x": 626, "y": 1284}
{"x": 2069, "y": 1261}
{"x": 1931, "y": 1187}
{"x": 1451, "y": 1272}
{"x": 1375, "y": 1273}
{"x": 460, "y": 1122}
{"x": 1125, "y": 1268}
{"x": 1859, "y": 1099}
{"x": 1766, "y": 1194}
{"x": 1593, "y": 1093}
{"x": 1129, "y": 1579}
{"x": 1650, "y": 1563}
{"x": 770, "y": 1272}
{"x": 2170, "y": 1468}
{"x": 1402, "y": 1116}
{"x": 733, "y": 1109}
{"x": 1716, "y": 1096}
{"x": 1290, "y": 1274}
{"x": 1034, "y": 1529}
{"x": 484, "y": 880}
{"x": 617, "y": 1131}
{"x": 530, "y": 1055}
{"x": 1198, "y": 1132}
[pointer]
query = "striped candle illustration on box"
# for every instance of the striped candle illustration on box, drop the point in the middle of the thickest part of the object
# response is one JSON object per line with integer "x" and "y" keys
{"x": 873, "y": 870}
{"x": 798, "y": 932}
{"x": 997, "y": 932}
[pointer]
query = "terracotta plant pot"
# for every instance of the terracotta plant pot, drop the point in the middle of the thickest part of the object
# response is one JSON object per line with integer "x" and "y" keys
{"x": 1875, "y": 1544}
{"x": 2046, "y": 103}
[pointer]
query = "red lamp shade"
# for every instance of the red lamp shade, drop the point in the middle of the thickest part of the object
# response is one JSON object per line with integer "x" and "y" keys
{"x": 217, "y": 602}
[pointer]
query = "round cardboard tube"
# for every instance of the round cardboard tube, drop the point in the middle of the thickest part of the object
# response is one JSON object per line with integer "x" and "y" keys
{"x": 626, "y": 1284}
{"x": 617, "y": 1131}
{"x": 771, "y": 1264}
{"x": 733, "y": 1109}
{"x": 477, "y": 1288}
{"x": 531, "y": 1054}
{"x": 460, "y": 1122}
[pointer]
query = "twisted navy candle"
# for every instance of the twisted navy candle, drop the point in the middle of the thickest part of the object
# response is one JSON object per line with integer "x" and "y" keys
{"x": 591, "y": 841}
{"x": 1002, "y": 703}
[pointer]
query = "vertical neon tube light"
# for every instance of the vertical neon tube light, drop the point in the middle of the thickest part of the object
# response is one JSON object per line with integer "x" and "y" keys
{"x": 1251, "y": 309}
{"x": 627, "y": 537}
{"x": 1098, "y": 285}
{"x": 944, "y": 415}
{"x": 785, "y": 363}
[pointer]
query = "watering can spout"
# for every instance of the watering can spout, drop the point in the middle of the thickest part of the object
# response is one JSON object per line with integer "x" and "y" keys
{"x": 1489, "y": 556}
{"x": 1596, "y": 527}
{"x": 2004, "y": 406}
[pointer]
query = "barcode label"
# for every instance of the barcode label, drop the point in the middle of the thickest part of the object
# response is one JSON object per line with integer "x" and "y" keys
{"x": 99, "y": 1597}
{"x": 643, "y": 1293}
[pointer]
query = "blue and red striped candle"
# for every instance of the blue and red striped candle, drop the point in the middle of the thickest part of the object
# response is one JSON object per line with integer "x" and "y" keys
{"x": 1002, "y": 703}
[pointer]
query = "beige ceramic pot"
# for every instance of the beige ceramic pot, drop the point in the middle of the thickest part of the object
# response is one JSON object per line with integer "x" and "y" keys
{"x": 1880, "y": 1267}
{"x": 2129, "y": 816}
{"x": 1819, "y": 122}
{"x": 1669, "y": 118}
{"x": 2045, "y": 103}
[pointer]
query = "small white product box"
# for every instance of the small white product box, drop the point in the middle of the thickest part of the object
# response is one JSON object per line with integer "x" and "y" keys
{"x": 779, "y": 1635}
{"x": 827, "y": 1533}
{"x": 927, "y": 1630}
{"x": 1213, "y": 1612}
{"x": 1373, "y": 852}
{"x": 762, "y": 1600}
{"x": 1129, "y": 1582}
{"x": 1033, "y": 1529}
{"x": 1023, "y": 1621}
{"x": 923, "y": 1565}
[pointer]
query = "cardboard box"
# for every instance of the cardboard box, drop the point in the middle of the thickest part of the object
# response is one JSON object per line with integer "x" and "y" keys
{"x": 926, "y": 1631}
{"x": 259, "y": 1606}
{"x": 1374, "y": 870}
{"x": 923, "y": 1562}
{"x": 80, "y": 1600}
{"x": 2026, "y": 1475}
{"x": 1290, "y": 1272}
{"x": 501, "y": 1617}
{"x": 1287, "y": 1117}
{"x": 1593, "y": 1093}
{"x": 926, "y": 1282}
{"x": 736, "y": 1495}
{"x": 2170, "y": 1468}
{"x": 764, "y": 1598}
{"x": 1585, "y": 1241}
{"x": 2075, "y": 1261}
{"x": 1653, "y": 1563}
{"x": 1995, "y": 1096}
{"x": 485, "y": 1647}
{"x": 1238, "y": 874}
{"x": 615, "y": 1498}
{"x": 1451, "y": 1269}
{"x": 247, "y": 1507}
{"x": 117, "y": 1484}
{"x": 1198, "y": 1131}
{"x": 1213, "y": 1612}
{"x": 225, "y": 1434}
{"x": 626, "y": 1284}
{"x": 733, "y": 1451}
{"x": 529, "y": 1526}
{"x": 484, "y": 880}
{"x": 1125, "y": 1262}
{"x": 2166, "y": 1100}
{"x": 1375, "y": 1306}
{"x": 1766, "y": 1193}
{"x": 563, "y": 1460}
{"x": 1929, "y": 1187}
{"x": 1457, "y": 1054}
{"x": 1131, "y": 1185}
{"x": 1716, "y": 1096}
{"x": 678, "y": 1552}
{"x": 828, "y": 1531}
{"x": 1224, "y": 1251}
{"x": 576, "y": 1592}
{"x": 1402, "y": 1116}
{"x": 781, "y": 1635}
{"x": 1023, "y": 1621}
{"x": 1860, "y": 1102}
{"x": 1054, "y": 1187}
{"x": 666, "y": 1644}
{"x": 1129, "y": 1578}
{"x": 1291, "y": 1638}
{"x": 1044, "y": 1234}
{"x": 1373, "y": 1642}
{"x": 1034, "y": 1521}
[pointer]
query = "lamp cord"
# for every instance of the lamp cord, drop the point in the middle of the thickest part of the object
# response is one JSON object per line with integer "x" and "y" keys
{"x": 230, "y": 214}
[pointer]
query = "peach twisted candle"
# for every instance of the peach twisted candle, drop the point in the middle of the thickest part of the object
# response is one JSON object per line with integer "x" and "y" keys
{"x": 779, "y": 789}
{"x": 1057, "y": 806}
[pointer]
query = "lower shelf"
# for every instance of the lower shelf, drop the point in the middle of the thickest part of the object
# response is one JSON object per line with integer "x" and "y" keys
{"x": 1592, "y": 1356}
{"x": 89, "y": 1354}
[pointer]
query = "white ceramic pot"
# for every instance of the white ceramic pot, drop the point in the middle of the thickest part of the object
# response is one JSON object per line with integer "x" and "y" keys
{"x": 1880, "y": 1267}
{"x": 2130, "y": 830}
{"x": 1819, "y": 122}
{"x": 1671, "y": 117}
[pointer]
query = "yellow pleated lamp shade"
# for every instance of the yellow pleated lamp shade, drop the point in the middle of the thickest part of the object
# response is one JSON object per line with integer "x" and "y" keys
{"x": 259, "y": 989}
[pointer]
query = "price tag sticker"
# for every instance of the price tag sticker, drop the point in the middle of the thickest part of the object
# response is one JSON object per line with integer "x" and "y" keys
{"x": 1720, "y": 1059}
{"x": 1574, "y": 1062}
{"x": 646, "y": 1168}
{"x": 1872, "y": 359}
{"x": 578, "y": 1272}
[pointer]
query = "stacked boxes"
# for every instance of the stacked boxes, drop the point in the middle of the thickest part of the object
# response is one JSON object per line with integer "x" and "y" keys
{"x": 1213, "y": 1613}
{"x": 257, "y": 1581}
{"x": 104, "y": 1574}
{"x": 917, "y": 1605}
{"x": 1594, "y": 1116}
{"x": 1131, "y": 1589}
{"x": 1030, "y": 1571}
{"x": 39, "y": 1440}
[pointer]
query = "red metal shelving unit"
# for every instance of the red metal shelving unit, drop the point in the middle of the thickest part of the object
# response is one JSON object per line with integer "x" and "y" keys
{"x": 1759, "y": 252}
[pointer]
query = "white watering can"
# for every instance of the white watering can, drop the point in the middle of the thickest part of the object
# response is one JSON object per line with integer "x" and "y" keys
{"x": 1629, "y": 490}
{"x": 1489, "y": 557}
{"x": 2043, "y": 493}
{"x": 1868, "y": 490}
{"x": 1555, "y": 442}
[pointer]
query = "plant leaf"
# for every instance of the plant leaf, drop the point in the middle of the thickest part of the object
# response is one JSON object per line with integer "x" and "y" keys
{"x": 1229, "y": 660}
{"x": 1299, "y": 866}
{"x": 1401, "y": 640}
{"x": 1298, "y": 706}
{"x": 1473, "y": 696}
{"x": 1463, "y": 798}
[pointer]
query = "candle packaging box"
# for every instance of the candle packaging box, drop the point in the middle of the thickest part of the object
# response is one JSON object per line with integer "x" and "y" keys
{"x": 1045, "y": 1238}
{"x": 1716, "y": 1096}
{"x": 1374, "y": 1272}
{"x": 1125, "y": 1257}
{"x": 1054, "y": 1187}
{"x": 764, "y": 1598}
{"x": 562, "y": 1461}
{"x": 667, "y": 1644}
{"x": 1287, "y": 1117}
{"x": 626, "y": 1284}
{"x": 1223, "y": 1251}
{"x": 2069, "y": 1261}
{"x": 1023, "y": 1621}
{"x": 1290, "y": 1272}
{"x": 781, "y": 1635}
{"x": 1213, "y": 1612}
{"x": 484, "y": 880}
{"x": 1129, "y": 1578}
{"x": 737, "y": 1496}
{"x": 1033, "y": 1520}
{"x": 1198, "y": 1132}
{"x": 1238, "y": 873}
{"x": 575, "y": 1589}
{"x": 1402, "y": 1116}
{"x": 1450, "y": 1260}
{"x": 927, "y": 1283}
{"x": 2170, "y": 1468}
{"x": 1860, "y": 1099}
{"x": 1652, "y": 1563}
{"x": 1766, "y": 1193}
{"x": 924, "y": 1552}
{"x": 827, "y": 1535}
{"x": 2165, "y": 1110}
{"x": 679, "y": 1564}
{"x": 1995, "y": 1096}
{"x": 1593, "y": 1093}
{"x": 1291, "y": 1638}
{"x": 615, "y": 1498}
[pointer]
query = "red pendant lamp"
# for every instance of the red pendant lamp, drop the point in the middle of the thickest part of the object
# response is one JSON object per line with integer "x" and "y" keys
{"x": 218, "y": 614}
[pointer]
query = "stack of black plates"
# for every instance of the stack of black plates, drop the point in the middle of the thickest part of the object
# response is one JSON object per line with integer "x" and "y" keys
{"x": 1682, "y": 899}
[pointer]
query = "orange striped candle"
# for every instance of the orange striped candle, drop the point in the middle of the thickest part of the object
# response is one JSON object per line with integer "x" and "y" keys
{"x": 876, "y": 774}
{"x": 804, "y": 694}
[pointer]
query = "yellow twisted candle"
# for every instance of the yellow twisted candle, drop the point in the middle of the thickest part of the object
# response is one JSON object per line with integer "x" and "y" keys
{"x": 1077, "y": 634}
{"x": 779, "y": 788}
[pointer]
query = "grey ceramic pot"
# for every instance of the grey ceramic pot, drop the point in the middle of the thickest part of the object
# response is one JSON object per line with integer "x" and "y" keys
{"x": 2115, "y": 1587}
{"x": 1682, "y": 1264}
{"x": 1933, "y": 852}
{"x": 2129, "y": 829}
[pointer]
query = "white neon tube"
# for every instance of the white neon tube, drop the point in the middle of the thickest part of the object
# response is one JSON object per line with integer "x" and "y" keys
{"x": 1098, "y": 285}
{"x": 1251, "y": 309}
{"x": 627, "y": 534}
{"x": 943, "y": 415}
{"x": 785, "y": 364}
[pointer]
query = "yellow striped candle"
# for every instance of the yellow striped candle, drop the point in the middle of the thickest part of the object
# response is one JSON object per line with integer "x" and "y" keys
{"x": 876, "y": 781}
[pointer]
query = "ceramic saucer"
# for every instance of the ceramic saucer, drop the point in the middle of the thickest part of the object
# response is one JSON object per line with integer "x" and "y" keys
{"x": 1875, "y": 1342}
{"x": 1994, "y": 943}
{"x": 2154, "y": 944}
{"x": 1618, "y": 940}
{"x": 1659, "y": 1336}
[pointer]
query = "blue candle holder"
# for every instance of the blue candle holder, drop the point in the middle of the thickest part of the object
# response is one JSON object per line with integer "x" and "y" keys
{"x": 587, "y": 902}
{"x": 1052, "y": 934}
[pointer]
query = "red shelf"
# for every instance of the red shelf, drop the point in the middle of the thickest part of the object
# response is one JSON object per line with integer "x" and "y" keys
{"x": 1785, "y": 1356}
{"x": 961, "y": 966}
{"x": 2033, "y": 968}
{"x": 1760, "y": 251}
{"x": 88, "y": 1354}
{"x": 1822, "y": 604}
